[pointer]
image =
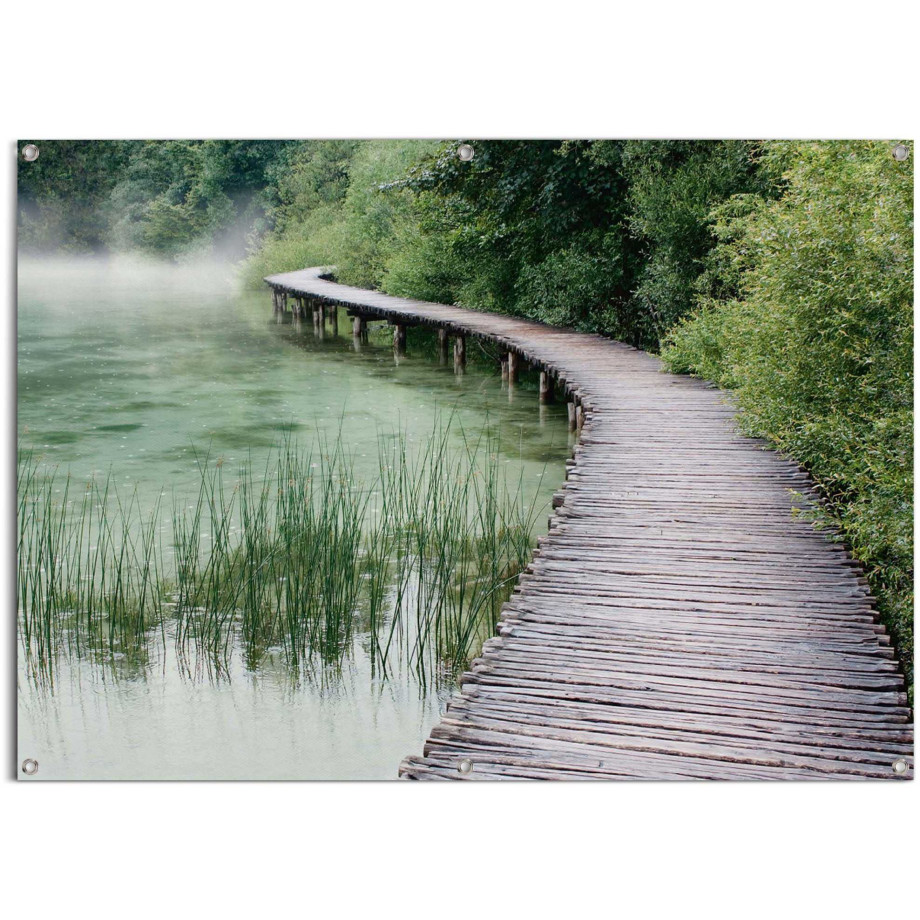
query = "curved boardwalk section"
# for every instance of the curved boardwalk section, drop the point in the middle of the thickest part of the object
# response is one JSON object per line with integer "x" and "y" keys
{"x": 678, "y": 620}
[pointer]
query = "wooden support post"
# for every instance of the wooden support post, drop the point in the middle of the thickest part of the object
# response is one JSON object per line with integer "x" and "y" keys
{"x": 460, "y": 353}
{"x": 359, "y": 327}
{"x": 399, "y": 339}
{"x": 334, "y": 318}
{"x": 442, "y": 345}
{"x": 283, "y": 302}
{"x": 579, "y": 416}
{"x": 504, "y": 362}
{"x": 318, "y": 325}
{"x": 573, "y": 419}
{"x": 514, "y": 362}
{"x": 546, "y": 387}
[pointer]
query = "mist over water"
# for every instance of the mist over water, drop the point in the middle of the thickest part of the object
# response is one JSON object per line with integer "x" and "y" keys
{"x": 131, "y": 367}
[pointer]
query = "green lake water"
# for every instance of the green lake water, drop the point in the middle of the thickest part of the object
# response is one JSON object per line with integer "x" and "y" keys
{"x": 131, "y": 368}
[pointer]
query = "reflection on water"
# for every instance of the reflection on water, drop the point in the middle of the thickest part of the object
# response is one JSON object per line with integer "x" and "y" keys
{"x": 255, "y": 725}
{"x": 129, "y": 369}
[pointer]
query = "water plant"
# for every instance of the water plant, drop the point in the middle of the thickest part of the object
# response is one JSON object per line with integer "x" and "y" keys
{"x": 298, "y": 557}
{"x": 90, "y": 573}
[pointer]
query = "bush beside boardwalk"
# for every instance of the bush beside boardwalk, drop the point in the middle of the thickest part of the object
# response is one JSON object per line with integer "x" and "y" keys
{"x": 780, "y": 270}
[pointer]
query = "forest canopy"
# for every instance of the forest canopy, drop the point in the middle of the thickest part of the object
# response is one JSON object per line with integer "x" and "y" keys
{"x": 780, "y": 270}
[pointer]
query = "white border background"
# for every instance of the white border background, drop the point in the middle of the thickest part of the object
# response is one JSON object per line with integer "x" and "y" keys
{"x": 469, "y": 68}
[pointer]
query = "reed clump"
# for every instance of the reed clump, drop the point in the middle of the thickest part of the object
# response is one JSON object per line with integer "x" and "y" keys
{"x": 90, "y": 567}
{"x": 299, "y": 557}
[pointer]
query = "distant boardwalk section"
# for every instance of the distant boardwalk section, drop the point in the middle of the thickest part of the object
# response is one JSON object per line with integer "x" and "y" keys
{"x": 678, "y": 621}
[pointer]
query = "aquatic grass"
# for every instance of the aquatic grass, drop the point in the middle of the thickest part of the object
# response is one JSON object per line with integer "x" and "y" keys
{"x": 463, "y": 534}
{"x": 89, "y": 569}
{"x": 299, "y": 559}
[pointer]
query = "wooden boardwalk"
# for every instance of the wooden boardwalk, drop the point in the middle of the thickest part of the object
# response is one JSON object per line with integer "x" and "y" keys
{"x": 678, "y": 621}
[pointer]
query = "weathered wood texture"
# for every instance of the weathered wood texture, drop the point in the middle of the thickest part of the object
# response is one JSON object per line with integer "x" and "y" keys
{"x": 678, "y": 620}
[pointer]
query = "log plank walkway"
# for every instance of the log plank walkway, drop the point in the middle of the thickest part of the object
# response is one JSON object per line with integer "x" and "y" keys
{"x": 678, "y": 621}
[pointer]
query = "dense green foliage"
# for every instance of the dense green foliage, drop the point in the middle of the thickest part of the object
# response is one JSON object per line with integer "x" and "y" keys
{"x": 63, "y": 195}
{"x": 168, "y": 198}
{"x": 604, "y": 236}
{"x": 673, "y": 187}
{"x": 781, "y": 270}
{"x": 812, "y": 326}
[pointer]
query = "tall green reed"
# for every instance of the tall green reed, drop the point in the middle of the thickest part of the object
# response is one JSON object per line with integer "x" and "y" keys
{"x": 298, "y": 557}
{"x": 90, "y": 567}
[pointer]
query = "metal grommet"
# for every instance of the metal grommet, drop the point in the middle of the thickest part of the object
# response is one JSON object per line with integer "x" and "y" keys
{"x": 30, "y": 767}
{"x": 900, "y": 766}
{"x": 465, "y": 152}
{"x": 900, "y": 152}
{"x": 465, "y": 766}
{"x": 30, "y": 152}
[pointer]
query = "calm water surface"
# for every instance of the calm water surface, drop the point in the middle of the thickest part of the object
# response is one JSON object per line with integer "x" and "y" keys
{"x": 131, "y": 368}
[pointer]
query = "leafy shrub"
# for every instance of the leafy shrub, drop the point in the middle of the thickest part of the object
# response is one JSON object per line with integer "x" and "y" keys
{"x": 581, "y": 286}
{"x": 423, "y": 266}
{"x": 374, "y": 215}
{"x": 315, "y": 241}
{"x": 673, "y": 188}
